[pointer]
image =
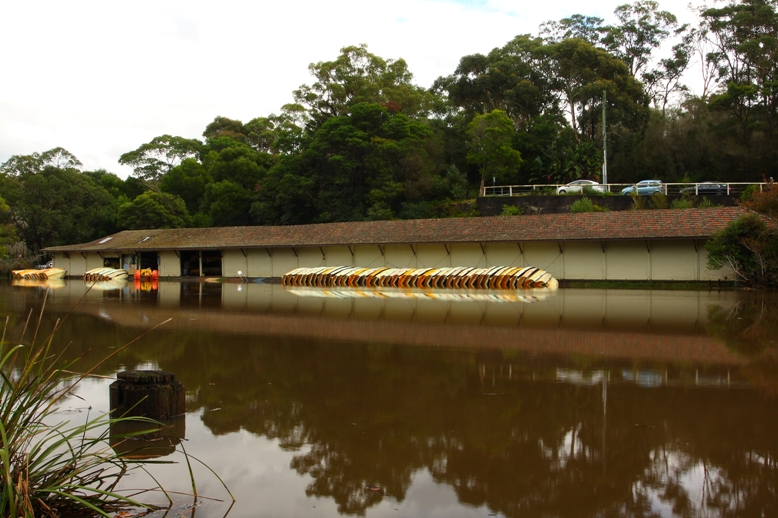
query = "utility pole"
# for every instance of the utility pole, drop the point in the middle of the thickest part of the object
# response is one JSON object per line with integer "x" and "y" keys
{"x": 604, "y": 142}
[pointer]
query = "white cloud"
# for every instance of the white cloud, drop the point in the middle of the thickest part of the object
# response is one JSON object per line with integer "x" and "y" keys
{"x": 100, "y": 78}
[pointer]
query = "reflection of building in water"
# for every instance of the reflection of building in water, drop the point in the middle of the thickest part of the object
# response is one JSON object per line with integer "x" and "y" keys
{"x": 388, "y": 293}
{"x": 668, "y": 326}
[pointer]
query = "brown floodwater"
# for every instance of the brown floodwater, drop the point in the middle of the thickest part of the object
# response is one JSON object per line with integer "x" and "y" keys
{"x": 311, "y": 402}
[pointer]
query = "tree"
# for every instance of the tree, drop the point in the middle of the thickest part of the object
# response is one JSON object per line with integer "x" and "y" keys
{"x": 579, "y": 73}
{"x": 510, "y": 79}
{"x": 153, "y": 210}
{"x": 58, "y": 158}
{"x": 7, "y": 230}
{"x": 52, "y": 202}
{"x": 587, "y": 28}
{"x": 490, "y": 148}
{"x": 227, "y": 204}
{"x": 357, "y": 76}
{"x": 187, "y": 181}
{"x": 156, "y": 158}
{"x": 643, "y": 28}
{"x": 357, "y": 166}
{"x": 744, "y": 37}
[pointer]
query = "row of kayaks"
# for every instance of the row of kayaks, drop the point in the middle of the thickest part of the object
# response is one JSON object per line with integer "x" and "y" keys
{"x": 105, "y": 274}
{"x": 39, "y": 275}
{"x": 497, "y": 277}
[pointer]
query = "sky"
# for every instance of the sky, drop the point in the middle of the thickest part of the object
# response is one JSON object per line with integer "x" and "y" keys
{"x": 101, "y": 78}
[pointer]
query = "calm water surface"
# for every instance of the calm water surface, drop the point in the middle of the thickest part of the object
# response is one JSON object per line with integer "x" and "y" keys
{"x": 578, "y": 403}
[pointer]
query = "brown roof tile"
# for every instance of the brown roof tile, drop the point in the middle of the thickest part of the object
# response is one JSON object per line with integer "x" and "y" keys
{"x": 599, "y": 226}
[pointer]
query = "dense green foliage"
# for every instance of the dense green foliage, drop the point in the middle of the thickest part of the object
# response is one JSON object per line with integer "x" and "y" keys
{"x": 584, "y": 204}
{"x": 749, "y": 245}
{"x": 363, "y": 142}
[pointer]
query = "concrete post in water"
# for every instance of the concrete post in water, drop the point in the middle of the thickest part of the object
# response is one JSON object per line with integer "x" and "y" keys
{"x": 153, "y": 394}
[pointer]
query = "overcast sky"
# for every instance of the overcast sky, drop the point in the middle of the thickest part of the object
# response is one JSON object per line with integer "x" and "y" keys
{"x": 101, "y": 78}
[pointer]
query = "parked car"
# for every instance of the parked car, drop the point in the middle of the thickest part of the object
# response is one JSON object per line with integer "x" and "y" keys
{"x": 706, "y": 188}
{"x": 644, "y": 188}
{"x": 579, "y": 186}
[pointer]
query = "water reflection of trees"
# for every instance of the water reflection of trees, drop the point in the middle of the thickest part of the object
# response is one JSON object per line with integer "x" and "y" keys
{"x": 750, "y": 328}
{"x": 364, "y": 415}
{"x": 374, "y": 416}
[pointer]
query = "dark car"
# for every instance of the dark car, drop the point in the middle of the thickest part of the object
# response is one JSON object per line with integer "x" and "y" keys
{"x": 706, "y": 188}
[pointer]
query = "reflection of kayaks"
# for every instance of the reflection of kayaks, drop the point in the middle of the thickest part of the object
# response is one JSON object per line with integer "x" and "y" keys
{"x": 494, "y": 277}
{"x": 39, "y": 283}
{"x": 113, "y": 284}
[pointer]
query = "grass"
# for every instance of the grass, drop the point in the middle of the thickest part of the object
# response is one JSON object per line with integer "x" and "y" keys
{"x": 57, "y": 468}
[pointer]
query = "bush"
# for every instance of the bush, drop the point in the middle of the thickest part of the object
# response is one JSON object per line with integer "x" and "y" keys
{"x": 707, "y": 204}
{"x": 750, "y": 247}
{"x": 748, "y": 192}
{"x": 511, "y": 210}
{"x": 682, "y": 203}
{"x": 656, "y": 201}
{"x": 586, "y": 205}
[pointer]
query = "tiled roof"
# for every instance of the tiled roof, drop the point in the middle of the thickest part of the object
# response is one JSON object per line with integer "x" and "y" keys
{"x": 599, "y": 226}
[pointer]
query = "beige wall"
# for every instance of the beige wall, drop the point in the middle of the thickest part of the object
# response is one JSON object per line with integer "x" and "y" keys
{"x": 259, "y": 263}
{"x": 584, "y": 260}
{"x": 169, "y": 264}
{"x": 234, "y": 261}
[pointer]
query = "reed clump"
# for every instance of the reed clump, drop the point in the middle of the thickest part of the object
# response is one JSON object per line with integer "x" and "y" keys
{"x": 53, "y": 467}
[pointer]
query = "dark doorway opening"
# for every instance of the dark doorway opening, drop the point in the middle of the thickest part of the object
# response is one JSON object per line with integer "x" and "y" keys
{"x": 190, "y": 263}
{"x": 212, "y": 263}
{"x": 149, "y": 260}
{"x": 111, "y": 262}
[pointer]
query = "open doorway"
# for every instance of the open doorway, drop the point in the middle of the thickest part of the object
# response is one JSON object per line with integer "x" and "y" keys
{"x": 212, "y": 263}
{"x": 190, "y": 263}
{"x": 149, "y": 260}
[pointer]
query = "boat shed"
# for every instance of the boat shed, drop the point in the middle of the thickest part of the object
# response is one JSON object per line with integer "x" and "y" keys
{"x": 666, "y": 245}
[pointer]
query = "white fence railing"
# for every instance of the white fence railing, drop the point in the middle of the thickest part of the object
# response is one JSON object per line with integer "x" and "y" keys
{"x": 732, "y": 188}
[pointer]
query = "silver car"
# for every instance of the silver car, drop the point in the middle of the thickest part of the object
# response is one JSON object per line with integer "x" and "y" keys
{"x": 578, "y": 186}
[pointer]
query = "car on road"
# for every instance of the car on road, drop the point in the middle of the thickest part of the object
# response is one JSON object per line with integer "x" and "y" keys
{"x": 578, "y": 186}
{"x": 706, "y": 188}
{"x": 643, "y": 188}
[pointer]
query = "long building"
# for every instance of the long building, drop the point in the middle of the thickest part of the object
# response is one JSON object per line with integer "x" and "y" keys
{"x": 658, "y": 245}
